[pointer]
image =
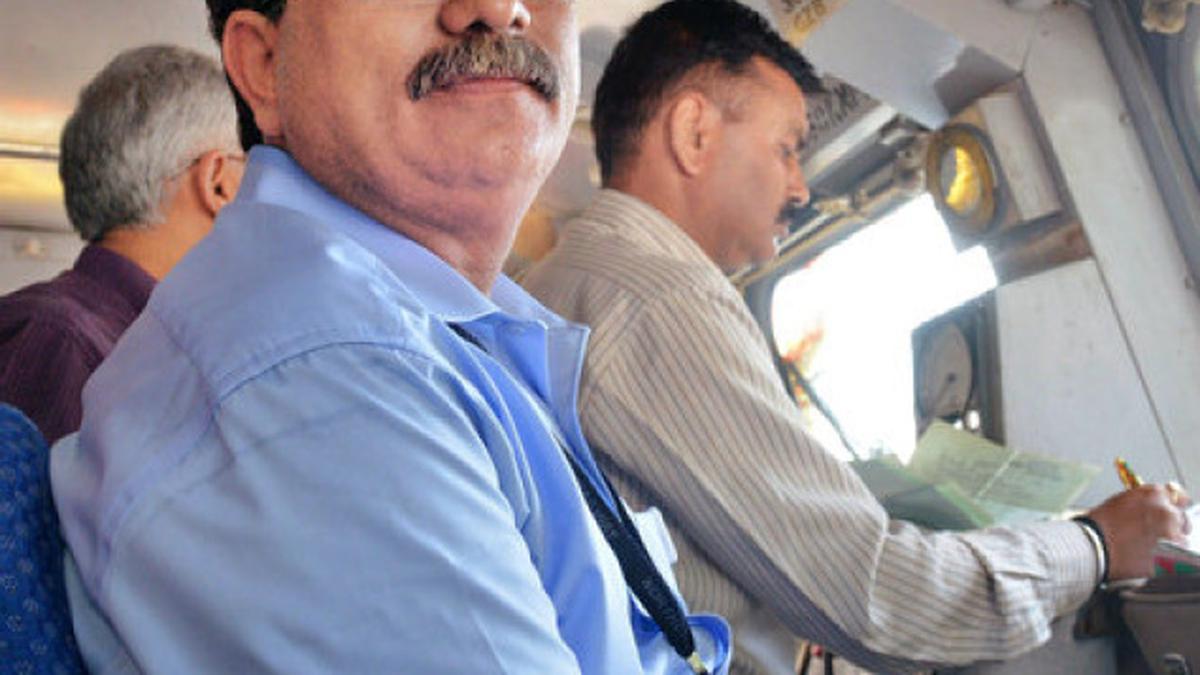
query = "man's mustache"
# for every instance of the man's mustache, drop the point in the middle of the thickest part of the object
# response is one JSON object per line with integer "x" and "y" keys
{"x": 485, "y": 56}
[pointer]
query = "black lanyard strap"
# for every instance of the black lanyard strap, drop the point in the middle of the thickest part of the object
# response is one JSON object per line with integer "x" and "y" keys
{"x": 642, "y": 577}
{"x": 638, "y": 568}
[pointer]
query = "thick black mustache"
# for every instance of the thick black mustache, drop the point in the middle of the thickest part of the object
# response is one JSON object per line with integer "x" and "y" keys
{"x": 483, "y": 55}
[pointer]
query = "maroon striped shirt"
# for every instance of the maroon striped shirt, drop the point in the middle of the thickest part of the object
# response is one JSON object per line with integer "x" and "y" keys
{"x": 55, "y": 333}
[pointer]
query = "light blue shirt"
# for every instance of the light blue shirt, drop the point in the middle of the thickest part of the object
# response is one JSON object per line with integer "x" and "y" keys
{"x": 291, "y": 463}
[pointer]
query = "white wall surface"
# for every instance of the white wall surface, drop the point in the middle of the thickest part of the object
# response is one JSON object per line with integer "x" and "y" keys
{"x": 27, "y": 256}
{"x": 1069, "y": 385}
{"x": 1138, "y": 258}
{"x": 925, "y": 58}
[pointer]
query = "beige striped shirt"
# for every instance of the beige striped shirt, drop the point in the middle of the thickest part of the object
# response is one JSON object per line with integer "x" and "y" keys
{"x": 682, "y": 402}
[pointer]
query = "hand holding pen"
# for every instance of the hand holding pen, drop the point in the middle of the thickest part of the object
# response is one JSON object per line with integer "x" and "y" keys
{"x": 1133, "y": 521}
{"x": 1175, "y": 491}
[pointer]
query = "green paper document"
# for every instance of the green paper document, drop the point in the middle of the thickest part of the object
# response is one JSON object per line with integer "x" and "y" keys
{"x": 959, "y": 481}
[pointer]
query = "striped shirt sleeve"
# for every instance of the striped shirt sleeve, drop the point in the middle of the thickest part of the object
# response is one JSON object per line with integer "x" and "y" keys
{"x": 681, "y": 392}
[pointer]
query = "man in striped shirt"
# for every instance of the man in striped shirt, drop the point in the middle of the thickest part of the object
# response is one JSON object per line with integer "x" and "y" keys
{"x": 698, "y": 121}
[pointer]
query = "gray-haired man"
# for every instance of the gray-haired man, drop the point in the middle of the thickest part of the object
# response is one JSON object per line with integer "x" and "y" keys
{"x": 148, "y": 158}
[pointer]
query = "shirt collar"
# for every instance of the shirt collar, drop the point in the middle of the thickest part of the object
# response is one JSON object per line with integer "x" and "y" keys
{"x": 273, "y": 177}
{"x": 650, "y": 229}
{"x": 115, "y": 271}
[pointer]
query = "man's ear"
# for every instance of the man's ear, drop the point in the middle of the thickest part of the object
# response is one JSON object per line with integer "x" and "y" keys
{"x": 215, "y": 178}
{"x": 248, "y": 48}
{"x": 693, "y": 124}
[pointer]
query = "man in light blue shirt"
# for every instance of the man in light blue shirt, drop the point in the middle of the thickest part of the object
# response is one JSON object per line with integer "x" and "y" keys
{"x": 337, "y": 440}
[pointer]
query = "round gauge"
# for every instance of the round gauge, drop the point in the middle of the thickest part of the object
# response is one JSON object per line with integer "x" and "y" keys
{"x": 959, "y": 174}
{"x": 943, "y": 373}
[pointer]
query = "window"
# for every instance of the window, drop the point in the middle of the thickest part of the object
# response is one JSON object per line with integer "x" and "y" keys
{"x": 845, "y": 320}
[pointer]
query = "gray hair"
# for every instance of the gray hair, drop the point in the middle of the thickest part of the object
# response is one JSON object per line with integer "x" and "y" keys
{"x": 142, "y": 121}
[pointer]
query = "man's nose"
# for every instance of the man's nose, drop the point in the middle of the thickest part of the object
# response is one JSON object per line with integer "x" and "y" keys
{"x": 798, "y": 186}
{"x": 499, "y": 16}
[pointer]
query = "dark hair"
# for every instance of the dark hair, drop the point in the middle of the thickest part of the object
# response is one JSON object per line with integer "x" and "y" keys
{"x": 218, "y": 14}
{"x": 664, "y": 46}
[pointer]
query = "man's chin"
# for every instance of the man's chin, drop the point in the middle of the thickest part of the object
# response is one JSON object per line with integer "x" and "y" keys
{"x": 768, "y": 254}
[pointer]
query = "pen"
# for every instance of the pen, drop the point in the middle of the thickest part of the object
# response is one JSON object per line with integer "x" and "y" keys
{"x": 1128, "y": 478}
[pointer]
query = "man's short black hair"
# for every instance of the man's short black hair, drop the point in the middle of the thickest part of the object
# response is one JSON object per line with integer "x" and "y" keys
{"x": 218, "y": 14}
{"x": 664, "y": 46}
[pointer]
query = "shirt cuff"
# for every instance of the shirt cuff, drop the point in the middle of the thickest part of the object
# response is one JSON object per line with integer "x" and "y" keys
{"x": 1072, "y": 561}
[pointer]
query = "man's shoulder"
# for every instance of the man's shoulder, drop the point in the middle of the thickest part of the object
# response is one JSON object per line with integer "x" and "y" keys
{"x": 55, "y": 310}
{"x": 271, "y": 284}
{"x": 597, "y": 276}
{"x": 54, "y": 298}
{"x": 610, "y": 262}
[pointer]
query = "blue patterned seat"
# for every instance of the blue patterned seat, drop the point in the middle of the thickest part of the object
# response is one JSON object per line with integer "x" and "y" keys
{"x": 35, "y": 625}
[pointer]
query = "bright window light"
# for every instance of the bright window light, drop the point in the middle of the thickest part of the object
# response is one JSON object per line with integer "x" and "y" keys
{"x": 846, "y": 321}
